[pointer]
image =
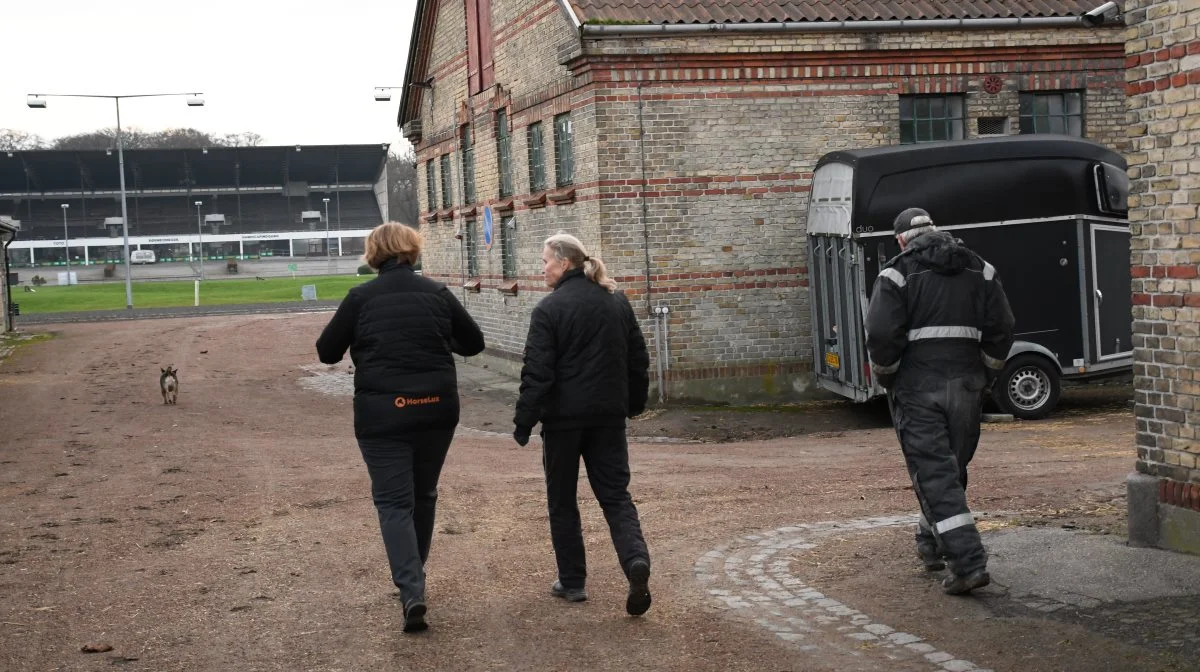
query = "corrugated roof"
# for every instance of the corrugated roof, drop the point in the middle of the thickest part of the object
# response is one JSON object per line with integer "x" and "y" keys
{"x": 773, "y": 11}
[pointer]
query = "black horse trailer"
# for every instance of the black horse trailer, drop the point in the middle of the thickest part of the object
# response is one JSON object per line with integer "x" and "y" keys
{"x": 1049, "y": 212}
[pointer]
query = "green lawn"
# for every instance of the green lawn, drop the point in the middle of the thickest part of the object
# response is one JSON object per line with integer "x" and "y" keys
{"x": 111, "y": 295}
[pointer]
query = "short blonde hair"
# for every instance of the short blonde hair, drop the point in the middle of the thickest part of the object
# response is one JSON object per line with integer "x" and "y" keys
{"x": 393, "y": 240}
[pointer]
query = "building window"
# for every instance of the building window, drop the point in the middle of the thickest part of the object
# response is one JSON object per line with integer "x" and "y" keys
{"x": 931, "y": 118}
{"x": 481, "y": 72}
{"x": 468, "y": 165}
{"x": 564, "y": 153}
{"x": 430, "y": 186}
{"x": 508, "y": 247}
{"x": 446, "y": 201}
{"x": 472, "y": 253}
{"x": 537, "y": 158}
{"x": 1055, "y": 112}
{"x": 504, "y": 154}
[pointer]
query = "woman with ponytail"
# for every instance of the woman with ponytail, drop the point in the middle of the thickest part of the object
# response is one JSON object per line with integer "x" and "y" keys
{"x": 586, "y": 371}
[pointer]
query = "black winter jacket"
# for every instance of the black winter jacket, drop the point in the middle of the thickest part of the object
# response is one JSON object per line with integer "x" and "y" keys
{"x": 585, "y": 359}
{"x": 401, "y": 329}
{"x": 938, "y": 311}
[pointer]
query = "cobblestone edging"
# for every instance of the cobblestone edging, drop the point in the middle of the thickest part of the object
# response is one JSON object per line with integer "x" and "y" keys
{"x": 751, "y": 577}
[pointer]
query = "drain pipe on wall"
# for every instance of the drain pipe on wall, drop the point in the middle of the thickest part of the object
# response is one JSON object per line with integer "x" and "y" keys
{"x": 659, "y": 327}
{"x": 662, "y": 348}
{"x": 7, "y": 322}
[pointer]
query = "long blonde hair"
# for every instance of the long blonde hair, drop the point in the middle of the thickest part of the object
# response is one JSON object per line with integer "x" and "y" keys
{"x": 565, "y": 246}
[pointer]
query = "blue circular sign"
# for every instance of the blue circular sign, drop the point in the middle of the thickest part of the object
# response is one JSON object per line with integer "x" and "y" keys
{"x": 487, "y": 228}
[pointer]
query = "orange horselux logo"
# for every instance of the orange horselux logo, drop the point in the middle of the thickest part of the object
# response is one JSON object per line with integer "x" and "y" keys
{"x": 401, "y": 402}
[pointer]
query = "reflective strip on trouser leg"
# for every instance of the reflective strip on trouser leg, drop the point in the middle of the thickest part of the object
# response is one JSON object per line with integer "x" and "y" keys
{"x": 923, "y": 422}
{"x": 954, "y": 522}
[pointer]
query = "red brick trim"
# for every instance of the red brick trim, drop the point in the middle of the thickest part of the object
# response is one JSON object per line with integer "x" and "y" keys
{"x": 456, "y": 62}
{"x": 827, "y": 65}
{"x": 1181, "y": 272}
{"x": 753, "y": 370}
{"x": 1189, "y": 299}
{"x": 563, "y": 196}
{"x": 1176, "y": 493}
{"x": 634, "y": 286}
{"x": 523, "y": 21}
{"x": 707, "y": 275}
{"x": 1172, "y": 81}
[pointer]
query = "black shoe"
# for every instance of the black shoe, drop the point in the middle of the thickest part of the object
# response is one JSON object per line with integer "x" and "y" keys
{"x": 568, "y": 594}
{"x": 931, "y": 559}
{"x": 638, "y": 601}
{"x": 414, "y": 616}
{"x": 957, "y": 584}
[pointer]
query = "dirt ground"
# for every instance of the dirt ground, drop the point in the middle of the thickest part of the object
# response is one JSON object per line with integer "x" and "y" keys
{"x": 235, "y": 530}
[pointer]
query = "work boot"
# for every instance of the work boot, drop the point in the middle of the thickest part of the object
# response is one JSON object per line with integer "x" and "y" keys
{"x": 638, "y": 601}
{"x": 568, "y": 594}
{"x": 931, "y": 558}
{"x": 958, "y": 584}
{"x": 414, "y": 615}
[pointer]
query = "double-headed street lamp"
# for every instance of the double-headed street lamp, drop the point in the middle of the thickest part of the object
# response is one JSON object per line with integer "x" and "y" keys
{"x": 200, "y": 232}
{"x": 67, "y": 241}
{"x": 38, "y": 101}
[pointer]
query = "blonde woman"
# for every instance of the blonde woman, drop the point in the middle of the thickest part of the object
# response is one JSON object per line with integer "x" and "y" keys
{"x": 585, "y": 372}
{"x": 402, "y": 330}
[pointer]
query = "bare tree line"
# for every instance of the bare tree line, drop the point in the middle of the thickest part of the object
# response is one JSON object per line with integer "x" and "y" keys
{"x": 132, "y": 138}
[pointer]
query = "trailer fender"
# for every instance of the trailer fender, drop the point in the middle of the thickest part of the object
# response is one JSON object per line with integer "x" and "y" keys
{"x": 1022, "y": 347}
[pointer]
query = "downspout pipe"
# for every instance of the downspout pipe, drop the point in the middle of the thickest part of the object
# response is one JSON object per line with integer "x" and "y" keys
{"x": 8, "y": 321}
{"x": 684, "y": 29}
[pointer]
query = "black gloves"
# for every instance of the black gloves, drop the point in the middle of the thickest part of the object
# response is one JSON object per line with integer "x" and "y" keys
{"x": 521, "y": 435}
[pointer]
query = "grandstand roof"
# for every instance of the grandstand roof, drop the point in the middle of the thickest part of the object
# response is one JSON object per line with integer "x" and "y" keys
{"x": 60, "y": 170}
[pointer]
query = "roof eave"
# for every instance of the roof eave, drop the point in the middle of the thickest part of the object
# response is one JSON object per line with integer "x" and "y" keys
{"x": 673, "y": 29}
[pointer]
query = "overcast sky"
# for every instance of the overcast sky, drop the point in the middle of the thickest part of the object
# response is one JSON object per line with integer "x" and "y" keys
{"x": 298, "y": 72}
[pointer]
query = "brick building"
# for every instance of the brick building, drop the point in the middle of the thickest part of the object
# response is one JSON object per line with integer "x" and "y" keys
{"x": 1163, "y": 75}
{"x": 678, "y": 142}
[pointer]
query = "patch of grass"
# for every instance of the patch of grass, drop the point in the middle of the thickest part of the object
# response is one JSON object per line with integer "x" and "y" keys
{"x": 111, "y": 295}
{"x": 11, "y": 341}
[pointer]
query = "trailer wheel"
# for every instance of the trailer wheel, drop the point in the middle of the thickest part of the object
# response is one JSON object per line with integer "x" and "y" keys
{"x": 1028, "y": 387}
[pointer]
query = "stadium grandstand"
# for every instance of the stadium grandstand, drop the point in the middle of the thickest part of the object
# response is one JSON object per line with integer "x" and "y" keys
{"x": 255, "y": 202}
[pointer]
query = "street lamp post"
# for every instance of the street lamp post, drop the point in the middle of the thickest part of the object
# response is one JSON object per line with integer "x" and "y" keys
{"x": 328, "y": 252}
{"x": 38, "y": 101}
{"x": 200, "y": 232}
{"x": 67, "y": 241}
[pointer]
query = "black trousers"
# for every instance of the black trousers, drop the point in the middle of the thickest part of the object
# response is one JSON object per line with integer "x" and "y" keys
{"x": 937, "y": 422}
{"x": 605, "y": 454}
{"x": 404, "y": 476}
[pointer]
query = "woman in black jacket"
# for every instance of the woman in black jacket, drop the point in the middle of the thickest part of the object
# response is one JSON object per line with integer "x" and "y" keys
{"x": 402, "y": 331}
{"x": 585, "y": 372}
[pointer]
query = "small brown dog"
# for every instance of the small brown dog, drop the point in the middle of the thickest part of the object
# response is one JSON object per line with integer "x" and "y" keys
{"x": 169, "y": 383}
